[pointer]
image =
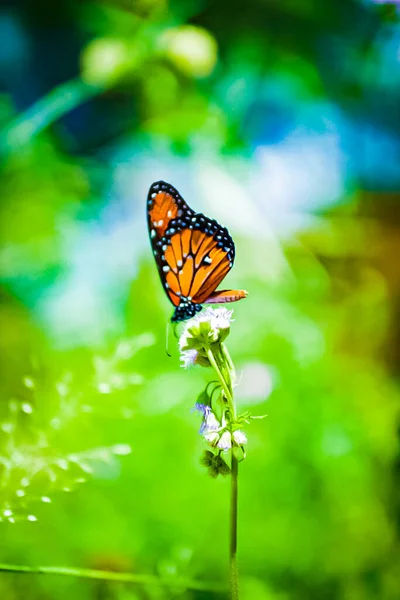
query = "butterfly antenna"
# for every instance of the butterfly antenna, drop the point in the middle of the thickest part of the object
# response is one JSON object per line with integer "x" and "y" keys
{"x": 167, "y": 339}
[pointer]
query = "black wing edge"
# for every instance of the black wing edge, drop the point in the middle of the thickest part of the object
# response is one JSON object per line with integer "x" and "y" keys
{"x": 163, "y": 186}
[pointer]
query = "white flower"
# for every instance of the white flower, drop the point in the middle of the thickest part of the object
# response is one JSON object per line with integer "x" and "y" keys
{"x": 212, "y": 325}
{"x": 210, "y": 421}
{"x": 195, "y": 328}
{"x": 188, "y": 358}
{"x": 212, "y": 438}
{"x": 225, "y": 441}
{"x": 221, "y": 318}
{"x": 239, "y": 438}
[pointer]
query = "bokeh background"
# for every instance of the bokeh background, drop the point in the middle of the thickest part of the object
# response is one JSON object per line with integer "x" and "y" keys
{"x": 281, "y": 119}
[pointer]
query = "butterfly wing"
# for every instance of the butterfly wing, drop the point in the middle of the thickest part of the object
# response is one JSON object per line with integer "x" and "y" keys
{"x": 222, "y": 296}
{"x": 165, "y": 210}
{"x": 193, "y": 253}
{"x": 164, "y": 205}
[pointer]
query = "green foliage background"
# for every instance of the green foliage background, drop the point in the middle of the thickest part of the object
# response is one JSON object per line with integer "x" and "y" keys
{"x": 99, "y": 451}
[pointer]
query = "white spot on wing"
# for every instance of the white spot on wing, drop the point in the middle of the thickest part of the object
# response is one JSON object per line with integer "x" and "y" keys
{"x": 165, "y": 268}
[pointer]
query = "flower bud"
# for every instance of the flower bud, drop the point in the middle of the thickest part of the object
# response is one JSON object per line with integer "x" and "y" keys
{"x": 239, "y": 438}
{"x": 215, "y": 464}
{"x": 202, "y": 331}
{"x": 212, "y": 438}
{"x": 225, "y": 441}
{"x": 220, "y": 465}
{"x": 193, "y": 357}
{"x": 207, "y": 458}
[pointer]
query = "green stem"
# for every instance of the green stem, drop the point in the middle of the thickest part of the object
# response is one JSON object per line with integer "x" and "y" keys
{"x": 229, "y": 369}
{"x": 228, "y": 359}
{"x": 234, "y": 574}
{"x": 114, "y": 576}
{"x": 225, "y": 386}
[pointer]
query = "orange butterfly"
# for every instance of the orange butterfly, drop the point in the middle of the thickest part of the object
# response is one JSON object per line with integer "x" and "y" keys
{"x": 193, "y": 253}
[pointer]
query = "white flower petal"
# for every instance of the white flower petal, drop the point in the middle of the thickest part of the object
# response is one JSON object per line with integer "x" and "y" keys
{"x": 225, "y": 441}
{"x": 211, "y": 422}
{"x": 212, "y": 438}
{"x": 188, "y": 358}
{"x": 239, "y": 438}
{"x": 217, "y": 319}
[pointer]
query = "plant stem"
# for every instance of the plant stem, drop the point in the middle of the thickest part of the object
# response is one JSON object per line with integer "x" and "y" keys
{"x": 234, "y": 573}
{"x": 137, "y": 578}
{"x": 224, "y": 384}
{"x": 228, "y": 359}
{"x": 229, "y": 371}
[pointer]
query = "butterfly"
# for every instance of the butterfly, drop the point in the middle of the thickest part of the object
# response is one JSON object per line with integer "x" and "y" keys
{"x": 193, "y": 253}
